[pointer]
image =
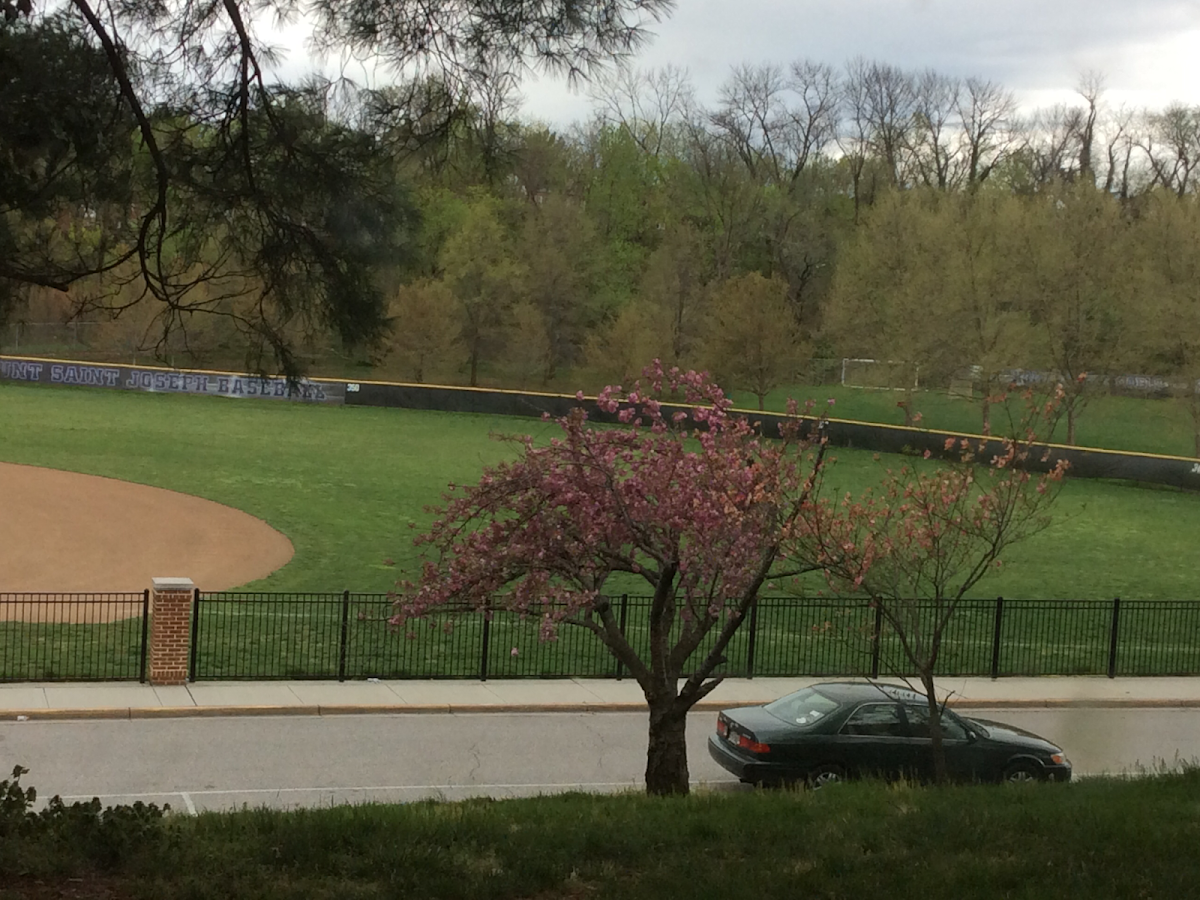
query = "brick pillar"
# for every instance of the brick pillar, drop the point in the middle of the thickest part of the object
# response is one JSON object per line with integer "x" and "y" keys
{"x": 170, "y": 630}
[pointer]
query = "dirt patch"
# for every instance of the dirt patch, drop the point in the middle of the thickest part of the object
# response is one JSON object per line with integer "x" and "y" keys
{"x": 65, "y": 532}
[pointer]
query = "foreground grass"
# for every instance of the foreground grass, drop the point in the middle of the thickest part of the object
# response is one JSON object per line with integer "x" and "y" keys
{"x": 345, "y": 484}
{"x": 1098, "y": 838}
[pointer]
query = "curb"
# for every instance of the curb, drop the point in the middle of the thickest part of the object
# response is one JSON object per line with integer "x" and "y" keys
{"x": 195, "y": 712}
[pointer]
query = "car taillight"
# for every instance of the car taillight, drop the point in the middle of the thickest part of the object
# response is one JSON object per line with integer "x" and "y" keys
{"x": 1057, "y": 758}
{"x": 748, "y": 743}
{"x": 722, "y": 727}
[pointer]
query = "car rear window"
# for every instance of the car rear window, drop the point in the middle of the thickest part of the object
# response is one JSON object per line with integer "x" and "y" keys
{"x": 803, "y": 708}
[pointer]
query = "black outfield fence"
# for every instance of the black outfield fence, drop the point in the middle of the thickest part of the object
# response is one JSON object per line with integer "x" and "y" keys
{"x": 1085, "y": 462}
{"x": 347, "y": 635}
{"x": 1089, "y": 462}
{"x": 73, "y": 637}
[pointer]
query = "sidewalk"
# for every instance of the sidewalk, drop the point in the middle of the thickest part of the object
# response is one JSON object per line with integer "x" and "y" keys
{"x": 123, "y": 700}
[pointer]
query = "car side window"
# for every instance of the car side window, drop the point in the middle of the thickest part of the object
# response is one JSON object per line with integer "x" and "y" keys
{"x": 918, "y": 722}
{"x": 875, "y": 720}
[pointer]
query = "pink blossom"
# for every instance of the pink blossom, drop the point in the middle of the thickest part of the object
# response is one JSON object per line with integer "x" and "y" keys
{"x": 700, "y": 508}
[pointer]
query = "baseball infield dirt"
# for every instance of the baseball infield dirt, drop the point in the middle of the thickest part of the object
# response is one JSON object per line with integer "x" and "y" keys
{"x": 61, "y": 532}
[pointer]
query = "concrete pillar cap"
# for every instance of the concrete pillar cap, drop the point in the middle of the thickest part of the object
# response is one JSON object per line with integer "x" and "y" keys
{"x": 173, "y": 584}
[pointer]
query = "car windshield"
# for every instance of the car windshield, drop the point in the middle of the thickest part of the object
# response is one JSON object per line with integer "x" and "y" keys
{"x": 979, "y": 727}
{"x": 806, "y": 707}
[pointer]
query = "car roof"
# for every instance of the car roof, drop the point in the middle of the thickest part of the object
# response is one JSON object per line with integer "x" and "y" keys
{"x": 859, "y": 691}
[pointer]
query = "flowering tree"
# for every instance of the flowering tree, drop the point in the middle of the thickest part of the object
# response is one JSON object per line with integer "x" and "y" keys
{"x": 917, "y": 544}
{"x": 693, "y": 501}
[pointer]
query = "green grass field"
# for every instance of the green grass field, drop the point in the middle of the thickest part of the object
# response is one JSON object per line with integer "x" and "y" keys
{"x": 345, "y": 484}
{"x": 1110, "y": 422}
{"x": 350, "y": 486}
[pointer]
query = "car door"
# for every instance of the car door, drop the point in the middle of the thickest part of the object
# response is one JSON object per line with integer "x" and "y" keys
{"x": 873, "y": 741}
{"x": 962, "y": 762}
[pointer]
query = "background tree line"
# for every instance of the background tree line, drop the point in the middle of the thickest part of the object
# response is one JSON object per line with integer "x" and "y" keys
{"x": 812, "y": 212}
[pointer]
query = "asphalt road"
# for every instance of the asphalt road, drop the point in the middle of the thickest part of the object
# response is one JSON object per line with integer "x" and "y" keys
{"x": 280, "y": 761}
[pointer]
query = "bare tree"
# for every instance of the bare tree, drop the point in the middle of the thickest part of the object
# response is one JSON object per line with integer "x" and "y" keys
{"x": 1051, "y": 148}
{"x": 817, "y": 113}
{"x": 876, "y": 117}
{"x": 1091, "y": 89}
{"x": 1119, "y": 143}
{"x": 1172, "y": 146}
{"x": 987, "y": 116}
{"x": 933, "y": 140}
{"x": 647, "y": 103}
{"x": 778, "y": 122}
{"x": 752, "y": 118}
{"x": 882, "y": 101}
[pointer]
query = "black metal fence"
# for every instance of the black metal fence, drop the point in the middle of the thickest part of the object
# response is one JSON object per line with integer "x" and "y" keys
{"x": 348, "y": 636}
{"x": 73, "y": 637}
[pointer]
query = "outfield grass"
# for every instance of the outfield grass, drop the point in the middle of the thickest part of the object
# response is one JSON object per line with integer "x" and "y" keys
{"x": 1099, "y": 838}
{"x": 345, "y": 483}
{"x": 1111, "y": 422}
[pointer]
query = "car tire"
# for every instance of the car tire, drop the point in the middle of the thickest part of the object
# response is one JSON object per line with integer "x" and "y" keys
{"x": 1023, "y": 772}
{"x": 825, "y": 775}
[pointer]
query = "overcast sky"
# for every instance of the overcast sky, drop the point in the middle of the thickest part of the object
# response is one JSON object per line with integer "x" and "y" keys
{"x": 1148, "y": 50}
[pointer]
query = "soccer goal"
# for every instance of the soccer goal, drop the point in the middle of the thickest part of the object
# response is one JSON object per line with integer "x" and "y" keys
{"x": 880, "y": 374}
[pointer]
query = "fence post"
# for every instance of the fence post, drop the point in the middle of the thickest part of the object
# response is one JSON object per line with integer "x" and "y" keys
{"x": 876, "y": 649}
{"x": 620, "y": 672}
{"x": 342, "y": 640}
{"x": 195, "y": 634}
{"x": 483, "y": 649}
{"x": 1112, "y": 638}
{"x": 145, "y": 633}
{"x": 171, "y": 606}
{"x": 753, "y": 635}
{"x": 996, "y": 638}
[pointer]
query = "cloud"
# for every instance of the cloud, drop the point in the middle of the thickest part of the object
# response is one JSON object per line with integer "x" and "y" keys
{"x": 1036, "y": 48}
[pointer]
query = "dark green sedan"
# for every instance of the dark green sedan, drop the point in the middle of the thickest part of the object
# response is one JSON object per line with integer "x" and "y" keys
{"x": 829, "y": 732}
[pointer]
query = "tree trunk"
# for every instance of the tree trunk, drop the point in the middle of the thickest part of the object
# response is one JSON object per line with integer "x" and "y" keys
{"x": 666, "y": 752}
{"x": 935, "y": 730}
{"x": 1071, "y": 424}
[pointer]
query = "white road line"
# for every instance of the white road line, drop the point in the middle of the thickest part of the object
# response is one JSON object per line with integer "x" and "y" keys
{"x": 187, "y": 801}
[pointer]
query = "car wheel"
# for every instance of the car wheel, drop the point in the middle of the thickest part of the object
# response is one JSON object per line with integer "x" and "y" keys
{"x": 825, "y": 775}
{"x": 1022, "y": 772}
